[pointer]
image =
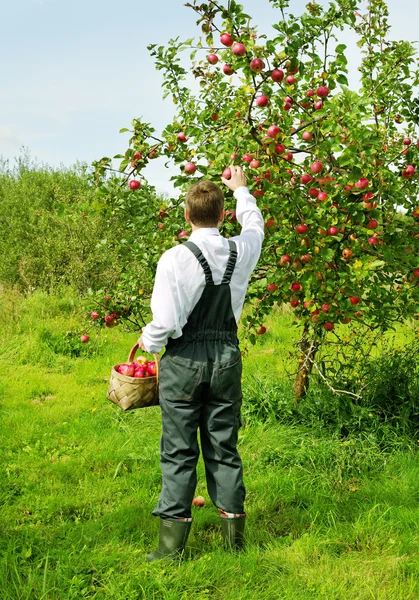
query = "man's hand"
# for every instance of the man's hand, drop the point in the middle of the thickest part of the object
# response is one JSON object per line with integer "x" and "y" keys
{"x": 238, "y": 179}
{"x": 141, "y": 344}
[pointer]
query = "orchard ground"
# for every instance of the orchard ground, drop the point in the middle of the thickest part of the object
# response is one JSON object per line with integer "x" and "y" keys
{"x": 329, "y": 516}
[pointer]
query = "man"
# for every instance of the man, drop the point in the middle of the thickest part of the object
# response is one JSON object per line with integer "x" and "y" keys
{"x": 197, "y": 299}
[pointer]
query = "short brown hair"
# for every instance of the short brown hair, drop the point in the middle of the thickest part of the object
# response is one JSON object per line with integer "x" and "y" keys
{"x": 204, "y": 203}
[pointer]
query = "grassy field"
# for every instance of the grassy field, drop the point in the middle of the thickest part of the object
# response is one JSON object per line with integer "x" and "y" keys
{"x": 328, "y": 517}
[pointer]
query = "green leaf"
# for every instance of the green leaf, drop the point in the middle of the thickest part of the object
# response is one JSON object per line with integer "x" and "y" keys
{"x": 123, "y": 130}
{"x": 342, "y": 79}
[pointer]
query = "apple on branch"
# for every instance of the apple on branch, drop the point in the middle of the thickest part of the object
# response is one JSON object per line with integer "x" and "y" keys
{"x": 257, "y": 65}
{"x": 190, "y": 168}
{"x": 262, "y": 100}
{"x": 226, "y": 39}
{"x": 277, "y": 75}
{"x": 238, "y": 49}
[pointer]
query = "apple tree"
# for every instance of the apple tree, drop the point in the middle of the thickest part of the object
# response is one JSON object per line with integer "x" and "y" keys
{"x": 334, "y": 169}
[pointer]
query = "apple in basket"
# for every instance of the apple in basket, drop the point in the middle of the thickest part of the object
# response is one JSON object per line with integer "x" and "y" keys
{"x": 142, "y": 361}
{"x": 126, "y": 369}
{"x": 139, "y": 371}
{"x": 152, "y": 369}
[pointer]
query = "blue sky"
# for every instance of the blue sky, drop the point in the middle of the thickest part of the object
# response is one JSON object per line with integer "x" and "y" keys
{"x": 76, "y": 72}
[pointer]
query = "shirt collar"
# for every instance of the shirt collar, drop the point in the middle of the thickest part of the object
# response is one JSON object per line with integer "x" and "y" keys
{"x": 204, "y": 232}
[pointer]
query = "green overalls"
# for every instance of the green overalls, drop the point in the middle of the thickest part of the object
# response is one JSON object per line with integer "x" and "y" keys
{"x": 200, "y": 386}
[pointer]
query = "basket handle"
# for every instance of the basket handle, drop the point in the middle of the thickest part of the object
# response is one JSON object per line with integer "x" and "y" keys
{"x": 133, "y": 352}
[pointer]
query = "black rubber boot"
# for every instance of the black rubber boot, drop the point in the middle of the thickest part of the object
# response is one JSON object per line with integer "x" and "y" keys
{"x": 233, "y": 532}
{"x": 172, "y": 540}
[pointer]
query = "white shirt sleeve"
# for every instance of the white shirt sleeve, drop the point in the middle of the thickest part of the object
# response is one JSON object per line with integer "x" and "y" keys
{"x": 165, "y": 307}
{"x": 250, "y": 240}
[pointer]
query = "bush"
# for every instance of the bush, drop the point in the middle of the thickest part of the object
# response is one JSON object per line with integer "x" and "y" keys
{"x": 389, "y": 404}
{"x": 53, "y": 233}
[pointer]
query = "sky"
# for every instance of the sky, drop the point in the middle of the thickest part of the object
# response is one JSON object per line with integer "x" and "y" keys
{"x": 75, "y": 72}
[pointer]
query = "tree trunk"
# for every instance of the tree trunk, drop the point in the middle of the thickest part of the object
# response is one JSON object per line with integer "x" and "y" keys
{"x": 308, "y": 346}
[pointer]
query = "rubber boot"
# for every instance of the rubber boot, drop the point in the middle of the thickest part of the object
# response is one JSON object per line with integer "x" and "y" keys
{"x": 172, "y": 540}
{"x": 233, "y": 532}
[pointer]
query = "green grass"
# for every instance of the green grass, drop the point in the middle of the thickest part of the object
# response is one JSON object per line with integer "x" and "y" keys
{"x": 328, "y": 517}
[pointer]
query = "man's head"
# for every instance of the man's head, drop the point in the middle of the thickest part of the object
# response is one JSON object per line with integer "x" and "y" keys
{"x": 204, "y": 205}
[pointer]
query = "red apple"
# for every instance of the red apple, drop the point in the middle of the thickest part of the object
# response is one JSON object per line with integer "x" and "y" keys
{"x": 354, "y": 300}
{"x": 290, "y": 80}
{"x": 254, "y": 164}
{"x": 296, "y": 287}
{"x": 316, "y": 167}
{"x": 307, "y": 136}
{"x": 329, "y": 326}
{"x": 294, "y": 302}
{"x": 362, "y": 184}
{"x": 310, "y": 93}
{"x": 332, "y": 231}
{"x": 322, "y": 91}
{"x": 247, "y": 158}
{"x": 407, "y": 141}
{"x": 347, "y": 253}
{"x": 408, "y": 172}
{"x": 190, "y": 168}
{"x": 285, "y": 259}
{"x": 318, "y": 105}
{"x": 139, "y": 371}
{"x": 226, "y": 39}
{"x": 261, "y": 331}
{"x": 277, "y": 75}
{"x": 313, "y": 192}
{"x": 152, "y": 368}
{"x": 322, "y": 196}
{"x": 84, "y": 338}
{"x": 302, "y": 228}
{"x": 231, "y": 214}
{"x": 305, "y": 258}
{"x": 227, "y": 70}
{"x": 127, "y": 369}
{"x": 238, "y": 49}
{"x": 326, "y": 307}
{"x": 272, "y": 287}
{"x": 226, "y": 173}
{"x": 262, "y": 100}
{"x": 198, "y": 501}
{"x": 373, "y": 224}
{"x": 134, "y": 184}
{"x": 416, "y": 272}
{"x": 181, "y": 137}
{"x": 273, "y": 131}
{"x": 109, "y": 318}
{"x": 95, "y": 315}
{"x": 138, "y": 156}
{"x": 257, "y": 65}
{"x": 306, "y": 178}
{"x": 280, "y": 149}
{"x": 212, "y": 59}
{"x": 183, "y": 234}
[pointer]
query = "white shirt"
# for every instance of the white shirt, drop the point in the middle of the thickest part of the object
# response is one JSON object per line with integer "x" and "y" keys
{"x": 180, "y": 279}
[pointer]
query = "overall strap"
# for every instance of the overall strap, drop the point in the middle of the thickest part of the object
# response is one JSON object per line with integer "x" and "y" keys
{"x": 231, "y": 262}
{"x": 202, "y": 261}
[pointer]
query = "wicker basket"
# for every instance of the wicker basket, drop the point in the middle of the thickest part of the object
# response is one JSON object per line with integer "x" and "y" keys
{"x": 131, "y": 392}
